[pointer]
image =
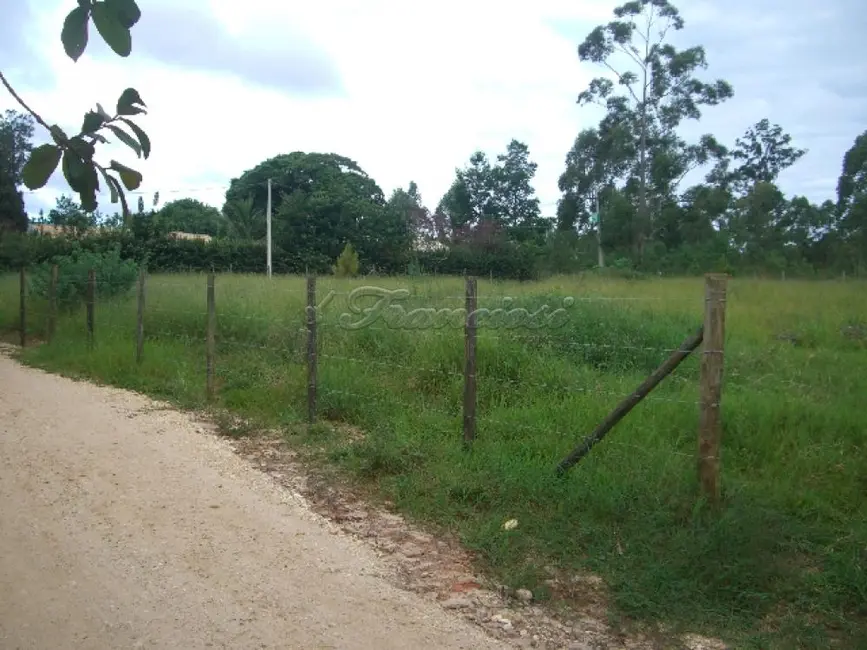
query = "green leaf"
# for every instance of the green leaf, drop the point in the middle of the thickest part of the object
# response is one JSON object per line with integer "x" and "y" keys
{"x": 112, "y": 30}
{"x": 83, "y": 148}
{"x": 58, "y": 135}
{"x": 127, "y": 11}
{"x": 111, "y": 184}
{"x": 92, "y": 122}
{"x": 101, "y": 111}
{"x": 40, "y": 166}
{"x": 80, "y": 175}
{"x": 123, "y": 203}
{"x": 74, "y": 33}
{"x": 124, "y": 137}
{"x": 141, "y": 135}
{"x": 88, "y": 200}
{"x": 116, "y": 188}
{"x": 126, "y": 103}
{"x": 130, "y": 177}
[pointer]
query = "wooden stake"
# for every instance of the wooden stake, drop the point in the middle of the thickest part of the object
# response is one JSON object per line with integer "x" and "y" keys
{"x": 311, "y": 349}
{"x": 52, "y": 304}
{"x": 470, "y": 363}
{"x": 139, "y": 333}
{"x": 23, "y": 307}
{"x": 710, "y": 423}
{"x": 91, "y": 305}
{"x": 630, "y": 402}
{"x": 211, "y": 335}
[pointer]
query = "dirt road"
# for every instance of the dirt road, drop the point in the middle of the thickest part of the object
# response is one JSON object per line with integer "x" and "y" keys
{"x": 127, "y": 527}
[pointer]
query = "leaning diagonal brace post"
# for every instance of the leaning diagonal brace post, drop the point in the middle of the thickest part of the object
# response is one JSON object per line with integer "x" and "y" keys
{"x": 629, "y": 403}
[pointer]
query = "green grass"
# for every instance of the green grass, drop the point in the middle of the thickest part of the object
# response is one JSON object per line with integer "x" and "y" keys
{"x": 783, "y": 564}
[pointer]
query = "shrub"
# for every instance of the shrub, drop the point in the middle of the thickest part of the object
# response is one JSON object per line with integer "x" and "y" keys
{"x": 347, "y": 263}
{"x": 506, "y": 261}
{"x": 114, "y": 276}
{"x": 413, "y": 269}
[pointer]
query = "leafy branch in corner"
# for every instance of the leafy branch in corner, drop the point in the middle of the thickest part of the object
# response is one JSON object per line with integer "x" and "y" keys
{"x": 113, "y": 20}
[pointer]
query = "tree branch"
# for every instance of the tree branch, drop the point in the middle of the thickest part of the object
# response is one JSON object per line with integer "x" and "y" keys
{"x": 647, "y": 36}
{"x": 631, "y": 55}
{"x": 23, "y": 103}
{"x": 620, "y": 77}
{"x": 673, "y": 89}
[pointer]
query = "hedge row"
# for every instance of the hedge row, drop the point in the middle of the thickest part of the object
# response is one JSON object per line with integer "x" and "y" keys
{"x": 504, "y": 262}
{"x": 163, "y": 255}
{"x": 159, "y": 255}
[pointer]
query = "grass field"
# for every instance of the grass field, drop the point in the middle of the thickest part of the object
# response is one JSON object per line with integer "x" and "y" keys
{"x": 783, "y": 566}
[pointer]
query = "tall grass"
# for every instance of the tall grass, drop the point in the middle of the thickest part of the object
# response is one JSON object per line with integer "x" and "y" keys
{"x": 782, "y": 566}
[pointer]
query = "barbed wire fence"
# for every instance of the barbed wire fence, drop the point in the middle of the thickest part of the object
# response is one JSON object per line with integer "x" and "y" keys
{"x": 308, "y": 343}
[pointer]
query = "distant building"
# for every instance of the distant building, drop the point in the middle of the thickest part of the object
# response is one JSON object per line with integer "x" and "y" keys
{"x": 429, "y": 245}
{"x": 49, "y": 229}
{"x": 190, "y": 235}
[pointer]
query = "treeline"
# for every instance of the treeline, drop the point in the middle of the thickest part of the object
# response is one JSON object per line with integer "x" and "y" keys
{"x": 161, "y": 254}
{"x": 624, "y": 200}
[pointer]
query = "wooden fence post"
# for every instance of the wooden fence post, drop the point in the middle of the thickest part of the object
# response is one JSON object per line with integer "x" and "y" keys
{"x": 212, "y": 330}
{"x": 631, "y": 401}
{"x": 311, "y": 349}
{"x": 91, "y": 304}
{"x": 470, "y": 362}
{"x": 23, "y": 307}
{"x": 52, "y": 303}
{"x": 710, "y": 423}
{"x": 139, "y": 334}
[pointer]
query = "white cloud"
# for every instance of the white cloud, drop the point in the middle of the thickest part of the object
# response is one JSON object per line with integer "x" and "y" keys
{"x": 417, "y": 88}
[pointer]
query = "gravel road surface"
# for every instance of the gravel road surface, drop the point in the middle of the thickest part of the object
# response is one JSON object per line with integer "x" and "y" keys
{"x": 126, "y": 526}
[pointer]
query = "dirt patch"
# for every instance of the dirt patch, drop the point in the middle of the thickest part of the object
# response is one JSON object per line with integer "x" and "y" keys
{"x": 438, "y": 568}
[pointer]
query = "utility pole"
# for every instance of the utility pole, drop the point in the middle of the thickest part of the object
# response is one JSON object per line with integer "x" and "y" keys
{"x": 268, "y": 220}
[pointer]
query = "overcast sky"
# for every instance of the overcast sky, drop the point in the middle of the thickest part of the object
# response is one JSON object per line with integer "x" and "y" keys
{"x": 410, "y": 89}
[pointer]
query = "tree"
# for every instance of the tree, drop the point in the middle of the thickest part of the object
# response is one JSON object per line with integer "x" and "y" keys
{"x": 852, "y": 197}
{"x": 71, "y": 215}
{"x": 303, "y": 172}
{"x": 517, "y": 207}
{"x": 13, "y": 214}
{"x": 347, "y": 263}
{"x": 243, "y": 222}
{"x": 470, "y": 200}
{"x": 805, "y": 224}
{"x": 424, "y": 227}
{"x": 756, "y": 222}
{"x": 764, "y": 151}
{"x": 598, "y": 158}
{"x": 190, "y": 215}
{"x": 113, "y": 20}
{"x": 661, "y": 91}
{"x": 16, "y": 131}
{"x": 321, "y": 201}
{"x": 486, "y": 201}
{"x": 16, "y": 135}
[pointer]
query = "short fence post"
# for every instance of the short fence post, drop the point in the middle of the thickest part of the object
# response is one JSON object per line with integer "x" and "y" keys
{"x": 139, "y": 334}
{"x": 52, "y": 304}
{"x": 91, "y": 304}
{"x": 212, "y": 329}
{"x": 710, "y": 422}
{"x": 23, "y": 307}
{"x": 470, "y": 363}
{"x": 311, "y": 349}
